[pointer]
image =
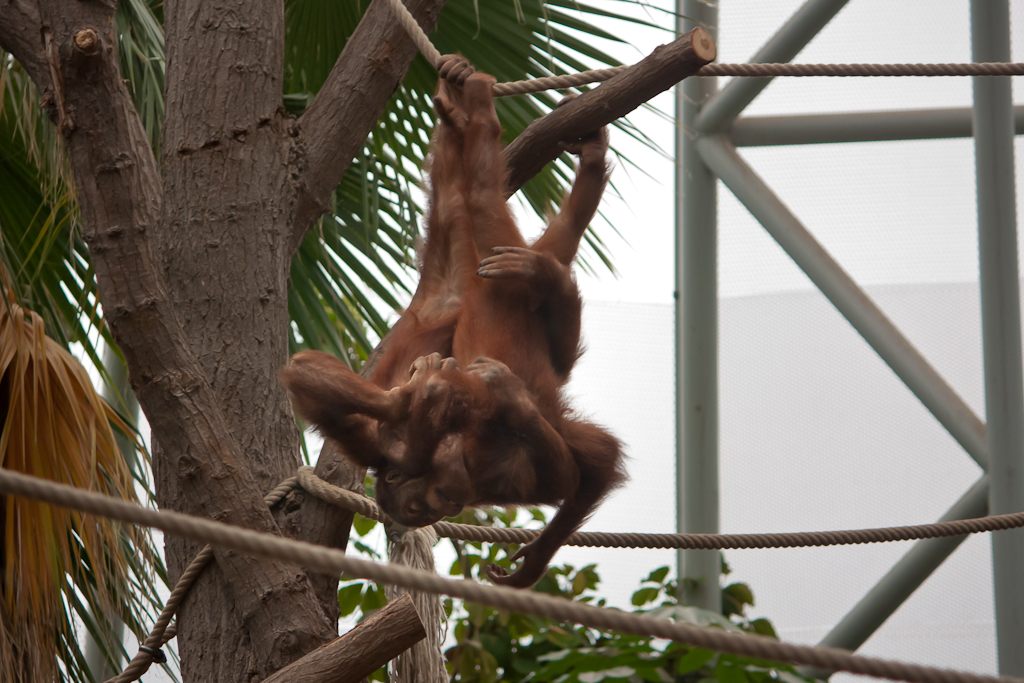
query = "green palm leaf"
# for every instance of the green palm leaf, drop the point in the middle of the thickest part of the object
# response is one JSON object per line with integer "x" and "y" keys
{"x": 377, "y": 207}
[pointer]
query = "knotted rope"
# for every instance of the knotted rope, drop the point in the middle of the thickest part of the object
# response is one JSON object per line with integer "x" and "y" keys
{"x": 424, "y": 661}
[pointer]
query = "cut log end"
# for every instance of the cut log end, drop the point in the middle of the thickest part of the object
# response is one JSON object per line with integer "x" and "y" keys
{"x": 703, "y": 44}
{"x": 665, "y": 66}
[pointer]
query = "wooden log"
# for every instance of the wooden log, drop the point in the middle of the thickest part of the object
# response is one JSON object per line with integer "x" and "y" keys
{"x": 380, "y": 638}
{"x": 613, "y": 99}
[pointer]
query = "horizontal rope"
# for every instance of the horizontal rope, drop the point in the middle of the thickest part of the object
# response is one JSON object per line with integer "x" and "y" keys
{"x": 335, "y": 561}
{"x": 771, "y": 70}
{"x": 368, "y": 508}
{"x": 163, "y": 630}
{"x": 767, "y": 70}
{"x": 433, "y": 56}
{"x": 599, "y": 539}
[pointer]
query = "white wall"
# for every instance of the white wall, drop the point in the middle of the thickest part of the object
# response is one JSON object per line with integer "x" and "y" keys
{"x": 816, "y": 432}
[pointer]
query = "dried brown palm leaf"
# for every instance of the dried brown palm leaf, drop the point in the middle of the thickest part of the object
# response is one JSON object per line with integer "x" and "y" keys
{"x": 57, "y": 427}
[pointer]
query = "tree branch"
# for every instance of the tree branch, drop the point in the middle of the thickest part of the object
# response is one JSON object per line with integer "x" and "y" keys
{"x": 335, "y": 126}
{"x": 613, "y": 99}
{"x": 20, "y": 31}
{"x": 120, "y": 199}
{"x": 387, "y": 633}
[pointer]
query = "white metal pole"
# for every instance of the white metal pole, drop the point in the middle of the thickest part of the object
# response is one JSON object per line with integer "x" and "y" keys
{"x": 1000, "y": 319}
{"x": 696, "y": 331}
{"x": 865, "y": 126}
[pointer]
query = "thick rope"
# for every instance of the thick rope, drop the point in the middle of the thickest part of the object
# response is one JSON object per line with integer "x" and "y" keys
{"x": 334, "y": 561}
{"x": 424, "y": 661}
{"x": 767, "y": 70}
{"x": 433, "y": 56}
{"x": 335, "y": 495}
{"x": 366, "y": 507}
{"x": 598, "y": 539}
{"x": 163, "y": 630}
{"x": 412, "y": 27}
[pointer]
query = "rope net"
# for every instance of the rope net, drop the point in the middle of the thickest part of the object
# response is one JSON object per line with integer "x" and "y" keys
{"x": 329, "y": 560}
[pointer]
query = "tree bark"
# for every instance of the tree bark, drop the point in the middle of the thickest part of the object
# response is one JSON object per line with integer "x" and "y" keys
{"x": 233, "y": 179}
{"x": 27, "y": 48}
{"x": 227, "y": 177}
{"x": 192, "y": 271}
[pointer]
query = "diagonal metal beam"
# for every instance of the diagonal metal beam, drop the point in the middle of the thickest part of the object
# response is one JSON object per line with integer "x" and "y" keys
{"x": 867, "y": 126}
{"x": 903, "y": 579}
{"x": 722, "y": 109}
{"x": 865, "y": 316}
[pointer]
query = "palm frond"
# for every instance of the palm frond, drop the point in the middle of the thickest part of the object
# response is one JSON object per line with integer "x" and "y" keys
{"x": 366, "y": 243}
{"x": 141, "y": 49}
{"x": 57, "y": 427}
{"x": 356, "y": 261}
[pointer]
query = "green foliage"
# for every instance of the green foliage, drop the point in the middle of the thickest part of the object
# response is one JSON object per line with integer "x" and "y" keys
{"x": 495, "y": 645}
{"x": 355, "y": 267}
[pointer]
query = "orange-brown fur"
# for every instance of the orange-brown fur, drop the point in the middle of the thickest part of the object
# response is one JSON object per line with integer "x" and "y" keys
{"x": 490, "y": 427}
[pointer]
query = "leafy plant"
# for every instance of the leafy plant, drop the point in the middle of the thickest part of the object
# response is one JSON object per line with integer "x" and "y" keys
{"x": 495, "y": 645}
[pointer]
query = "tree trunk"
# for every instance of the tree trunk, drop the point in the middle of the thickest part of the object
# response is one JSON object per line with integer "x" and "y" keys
{"x": 192, "y": 262}
{"x": 228, "y": 175}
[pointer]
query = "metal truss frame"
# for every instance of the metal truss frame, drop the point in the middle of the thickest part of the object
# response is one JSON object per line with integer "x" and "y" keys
{"x": 708, "y": 134}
